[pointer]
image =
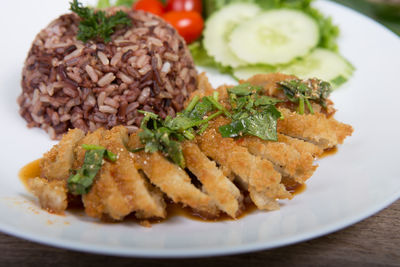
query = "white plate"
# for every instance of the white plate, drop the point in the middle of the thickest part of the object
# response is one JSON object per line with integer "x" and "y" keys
{"x": 361, "y": 179}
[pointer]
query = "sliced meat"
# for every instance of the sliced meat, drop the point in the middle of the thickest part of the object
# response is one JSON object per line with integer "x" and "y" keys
{"x": 315, "y": 128}
{"x": 286, "y": 159}
{"x": 57, "y": 163}
{"x": 52, "y": 195}
{"x": 119, "y": 189}
{"x": 93, "y": 138}
{"x": 257, "y": 174}
{"x": 172, "y": 180}
{"x": 215, "y": 183}
{"x": 305, "y": 148}
{"x": 269, "y": 83}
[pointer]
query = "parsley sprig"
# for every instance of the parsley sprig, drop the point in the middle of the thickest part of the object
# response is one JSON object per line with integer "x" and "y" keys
{"x": 303, "y": 91}
{"x": 81, "y": 180}
{"x": 252, "y": 113}
{"x": 95, "y": 24}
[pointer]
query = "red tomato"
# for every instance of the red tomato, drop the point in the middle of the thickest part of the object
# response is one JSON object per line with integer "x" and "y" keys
{"x": 189, "y": 24}
{"x": 152, "y": 6}
{"x": 184, "y": 5}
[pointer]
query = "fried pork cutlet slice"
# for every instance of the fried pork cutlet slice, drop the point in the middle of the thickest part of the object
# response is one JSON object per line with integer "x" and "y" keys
{"x": 215, "y": 183}
{"x": 172, "y": 180}
{"x": 51, "y": 186}
{"x": 258, "y": 175}
{"x": 52, "y": 195}
{"x": 286, "y": 159}
{"x": 269, "y": 83}
{"x": 204, "y": 88}
{"x": 57, "y": 163}
{"x": 303, "y": 147}
{"x": 119, "y": 189}
{"x": 315, "y": 128}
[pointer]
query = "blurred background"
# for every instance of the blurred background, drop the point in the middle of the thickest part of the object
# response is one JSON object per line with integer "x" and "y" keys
{"x": 386, "y": 12}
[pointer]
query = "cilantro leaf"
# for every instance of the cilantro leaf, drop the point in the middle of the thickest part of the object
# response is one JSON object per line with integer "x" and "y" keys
{"x": 252, "y": 113}
{"x": 302, "y": 92}
{"x": 81, "y": 180}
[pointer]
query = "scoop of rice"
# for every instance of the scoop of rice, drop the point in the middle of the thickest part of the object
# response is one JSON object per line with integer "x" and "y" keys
{"x": 70, "y": 84}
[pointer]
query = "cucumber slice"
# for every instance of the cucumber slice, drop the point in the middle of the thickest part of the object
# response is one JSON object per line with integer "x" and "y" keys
{"x": 275, "y": 37}
{"x": 218, "y": 28}
{"x": 245, "y": 72}
{"x": 323, "y": 64}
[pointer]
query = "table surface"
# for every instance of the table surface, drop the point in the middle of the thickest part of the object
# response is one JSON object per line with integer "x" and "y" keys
{"x": 372, "y": 242}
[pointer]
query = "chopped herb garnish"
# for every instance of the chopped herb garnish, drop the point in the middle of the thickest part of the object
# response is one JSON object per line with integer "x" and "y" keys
{"x": 95, "y": 24}
{"x": 165, "y": 135}
{"x": 252, "y": 113}
{"x": 81, "y": 180}
{"x": 302, "y": 92}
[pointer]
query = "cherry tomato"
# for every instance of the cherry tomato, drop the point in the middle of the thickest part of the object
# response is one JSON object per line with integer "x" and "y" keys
{"x": 189, "y": 24}
{"x": 152, "y": 6}
{"x": 184, "y": 5}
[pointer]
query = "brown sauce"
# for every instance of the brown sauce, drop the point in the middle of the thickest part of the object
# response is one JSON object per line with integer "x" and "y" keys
{"x": 174, "y": 209}
{"x": 329, "y": 152}
{"x": 296, "y": 189}
{"x": 32, "y": 170}
{"x": 29, "y": 171}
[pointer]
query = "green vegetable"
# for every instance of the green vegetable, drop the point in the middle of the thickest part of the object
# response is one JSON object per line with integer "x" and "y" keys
{"x": 302, "y": 92}
{"x": 328, "y": 31}
{"x": 201, "y": 58}
{"x": 95, "y": 24}
{"x": 165, "y": 135}
{"x": 252, "y": 113}
{"x": 128, "y": 3}
{"x": 103, "y": 3}
{"x": 81, "y": 180}
{"x": 210, "y": 6}
{"x": 328, "y": 34}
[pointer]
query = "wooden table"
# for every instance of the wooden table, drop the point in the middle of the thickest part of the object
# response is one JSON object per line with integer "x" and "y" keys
{"x": 372, "y": 242}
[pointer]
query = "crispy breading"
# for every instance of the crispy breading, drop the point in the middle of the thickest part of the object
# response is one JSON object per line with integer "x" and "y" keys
{"x": 104, "y": 198}
{"x": 146, "y": 200}
{"x": 52, "y": 195}
{"x": 215, "y": 183}
{"x": 257, "y": 174}
{"x": 315, "y": 128}
{"x": 286, "y": 159}
{"x": 172, "y": 180}
{"x": 203, "y": 88}
{"x": 269, "y": 83}
{"x": 119, "y": 189}
{"x": 266, "y": 200}
{"x": 301, "y": 146}
{"x": 93, "y": 138}
{"x": 57, "y": 163}
{"x": 137, "y": 182}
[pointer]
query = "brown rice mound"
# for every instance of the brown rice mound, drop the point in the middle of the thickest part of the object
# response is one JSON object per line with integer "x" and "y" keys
{"x": 70, "y": 84}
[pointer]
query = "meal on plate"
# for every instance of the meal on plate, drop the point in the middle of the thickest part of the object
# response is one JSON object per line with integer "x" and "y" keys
{"x": 256, "y": 139}
{"x": 89, "y": 70}
{"x": 141, "y": 130}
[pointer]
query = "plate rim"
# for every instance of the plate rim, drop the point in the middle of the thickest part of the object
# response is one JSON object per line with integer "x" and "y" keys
{"x": 209, "y": 252}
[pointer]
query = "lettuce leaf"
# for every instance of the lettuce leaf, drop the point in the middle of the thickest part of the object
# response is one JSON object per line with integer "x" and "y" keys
{"x": 201, "y": 58}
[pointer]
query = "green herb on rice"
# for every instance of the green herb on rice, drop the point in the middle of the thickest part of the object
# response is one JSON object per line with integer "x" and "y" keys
{"x": 96, "y": 24}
